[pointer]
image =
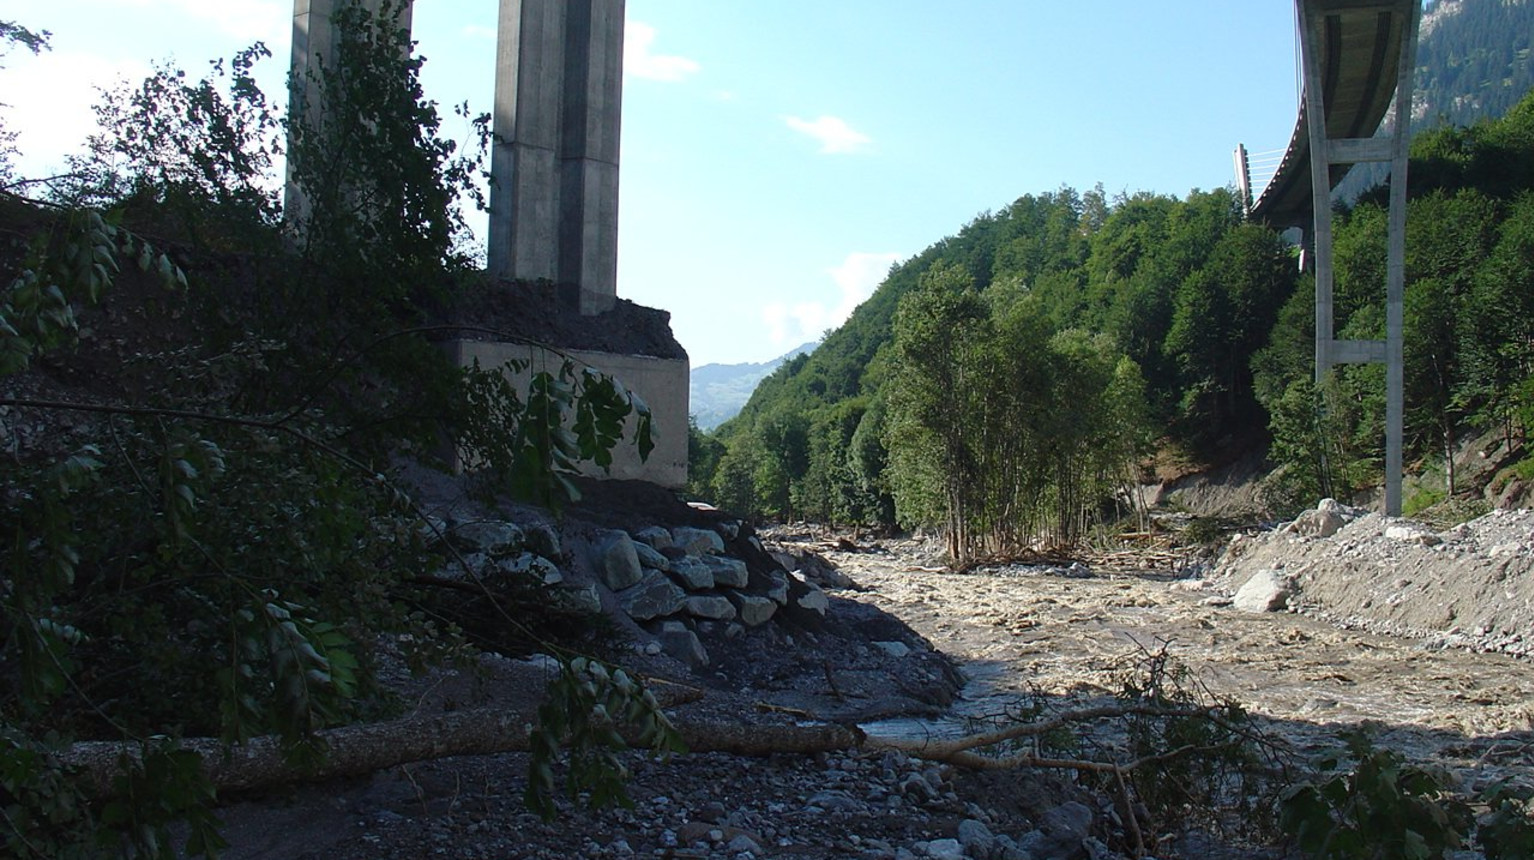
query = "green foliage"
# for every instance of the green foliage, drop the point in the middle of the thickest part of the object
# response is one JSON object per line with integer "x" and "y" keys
{"x": 1371, "y": 803}
{"x": 1202, "y": 753}
{"x": 520, "y": 439}
{"x": 199, "y": 152}
{"x": 208, "y": 546}
{"x": 587, "y": 706}
{"x": 375, "y": 189}
{"x": 73, "y": 263}
{"x": 1312, "y": 431}
{"x": 1051, "y": 422}
{"x": 160, "y": 787}
{"x": 1507, "y": 831}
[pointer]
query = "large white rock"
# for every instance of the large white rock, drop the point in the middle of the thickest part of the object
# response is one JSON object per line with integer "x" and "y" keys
{"x": 1326, "y": 520}
{"x": 1266, "y": 591}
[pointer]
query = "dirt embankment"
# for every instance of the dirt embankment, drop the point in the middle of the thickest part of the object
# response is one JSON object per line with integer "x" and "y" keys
{"x": 1471, "y": 586}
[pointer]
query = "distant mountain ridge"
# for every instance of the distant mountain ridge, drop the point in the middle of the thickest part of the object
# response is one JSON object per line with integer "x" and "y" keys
{"x": 718, "y": 391}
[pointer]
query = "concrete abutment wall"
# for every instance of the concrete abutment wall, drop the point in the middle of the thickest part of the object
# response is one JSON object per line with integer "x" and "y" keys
{"x": 661, "y": 383}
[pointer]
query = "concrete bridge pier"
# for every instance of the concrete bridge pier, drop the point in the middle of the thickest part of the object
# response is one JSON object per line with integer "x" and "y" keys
{"x": 315, "y": 42}
{"x": 558, "y": 112}
{"x": 553, "y": 190}
{"x": 1335, "y": 34}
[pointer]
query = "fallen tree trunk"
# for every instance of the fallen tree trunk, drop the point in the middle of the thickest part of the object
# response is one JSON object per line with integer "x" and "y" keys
{"x": 361, "y": 749}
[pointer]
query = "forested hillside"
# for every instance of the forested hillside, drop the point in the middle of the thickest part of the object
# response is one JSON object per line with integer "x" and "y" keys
{"x": 1473, "y": 60}
{"x": 1005, "y": 382}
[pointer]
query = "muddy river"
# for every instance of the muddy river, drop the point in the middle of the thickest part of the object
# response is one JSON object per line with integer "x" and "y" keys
{"x": 1072, "y": 633}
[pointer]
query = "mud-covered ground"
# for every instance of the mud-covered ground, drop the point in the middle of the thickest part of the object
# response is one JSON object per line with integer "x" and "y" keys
{"x": 1063, "y": 635}
{"x": 1073, "y": 632}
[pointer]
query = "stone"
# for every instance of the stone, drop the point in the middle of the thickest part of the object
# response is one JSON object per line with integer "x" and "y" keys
{"x": 1412, "y": 534}
{"x": 1327, "y": 519}
{"x": 692, "y": 573}
{"x": 728, "y": 571}
{"x": 616, "y": 561}
{"x": 697, "y": 541}
{"x": 432, "y": 528}
{"x": 656, "y": 537}
{"x": 490, "y": 537}
{"x": 753, "y": 611}
{"x": 543, "y": 539}
{"x": 777, "y": 588}
{"x": 535, "y": 566}
{"x": 1266, "y": 591}
{"x": 712, "y": 606}
{"x": 917, "y": 788}
{"x": 1069, "y": 822}
{"x": 977, "y": 839}
{"x": 653, "y": 597}
{"x": 580, "y": 598}
{"x": 743, "y": 844}
{"x": 945, "y": 849}
{"x": 682, "y": 644}
{"x": 649, "y": 556}
{"x": 894, "y": 649}
{"x": 814, "y": 600}
{"x": 730, "y": 530}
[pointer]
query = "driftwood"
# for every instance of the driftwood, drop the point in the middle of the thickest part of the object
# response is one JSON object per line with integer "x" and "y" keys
{"x": 363, "y": 749}
{"x": 370, "y": 747}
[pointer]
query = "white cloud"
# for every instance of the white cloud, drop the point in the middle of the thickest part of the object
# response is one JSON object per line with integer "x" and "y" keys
{"x": 855, "y": 279}
{"x": 266, "y": 20}
{"x": 835, "y": 135}
{"x": 48, "y": 103}
{"x": 638, "y": 37}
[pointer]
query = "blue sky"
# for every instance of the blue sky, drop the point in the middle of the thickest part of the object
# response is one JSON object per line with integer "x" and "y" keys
{"x": 779, "y": 155}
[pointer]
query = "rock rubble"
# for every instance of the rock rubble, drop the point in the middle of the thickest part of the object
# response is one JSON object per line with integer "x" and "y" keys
{"x": 667, "y": 581}
{"x": 1471, "y": 586}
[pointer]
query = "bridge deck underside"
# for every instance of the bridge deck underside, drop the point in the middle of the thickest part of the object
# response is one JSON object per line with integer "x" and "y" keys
{"x": 1360, "y": 47}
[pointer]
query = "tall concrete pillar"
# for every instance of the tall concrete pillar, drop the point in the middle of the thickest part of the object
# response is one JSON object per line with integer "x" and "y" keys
{"x": 554, "y": 167}
{"x": 315, "y": 41}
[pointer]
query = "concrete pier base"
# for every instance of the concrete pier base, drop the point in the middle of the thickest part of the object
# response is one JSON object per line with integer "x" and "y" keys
{"x": 660, "y": 382}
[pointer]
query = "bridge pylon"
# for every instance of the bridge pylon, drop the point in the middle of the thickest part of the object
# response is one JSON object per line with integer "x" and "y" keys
{"x": 1331, "y": 30}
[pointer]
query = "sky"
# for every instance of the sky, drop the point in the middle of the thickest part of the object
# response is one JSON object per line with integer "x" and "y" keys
{"x": 778, "y": 156}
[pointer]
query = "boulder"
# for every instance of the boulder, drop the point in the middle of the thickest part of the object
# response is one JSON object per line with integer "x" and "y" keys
{"x": 693, "y": 573}
{"x": 754, "y": 611}
{"x": 490, "y": 537}
{"x": 579, "y": 598}
{"x": 543, "y": 539}
{"x": 894, "y": 649}
{"x": 1266, "y": 591}
{"x": 1325, "y": 520}
{"x": 697, "y": 541}
{"x": 977, "y": 839}
{"x": 682, "y": 643}
{"x": 945, "y": 849}
{"x": 531, "y": 565}
{"x": 728, "y": 571}
{"x": 649, "y": 556}
{"x": 655, "y": 537}
{"x": 654, "y": 596}
{"x": 716, "y": 607}
{"x": 616, "y": 561}
{"x": 814, "y": 600}
{"x": 777, "y": 587}
{"x": 1412, "y": 533}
